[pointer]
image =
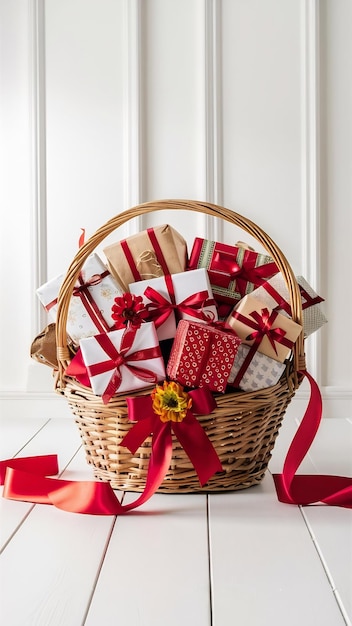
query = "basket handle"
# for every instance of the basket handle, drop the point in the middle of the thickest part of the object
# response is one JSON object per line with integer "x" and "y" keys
{"x": 67, "y": 287}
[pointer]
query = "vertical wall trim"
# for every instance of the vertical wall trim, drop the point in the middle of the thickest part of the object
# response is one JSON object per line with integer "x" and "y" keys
{"x": 38, "y": 154}
{"x": 311, "y": 227}
{"x": 133, "y": 191}
{"x": 213, "y": 109}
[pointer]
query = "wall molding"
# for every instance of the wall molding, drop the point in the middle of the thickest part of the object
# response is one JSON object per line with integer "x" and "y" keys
{"x": 310, "y": 109}
{"x": 337, "y": 403}
{"x": 38, "y": 152}
{"x": 132, "y": 106}
{"x": 213, "y": 114}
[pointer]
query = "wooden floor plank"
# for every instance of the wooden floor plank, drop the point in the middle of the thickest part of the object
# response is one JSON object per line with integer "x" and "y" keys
{"x": 48, "y": 569}
{"x": 265, "y": 569}
{"x": 156, "y": 570}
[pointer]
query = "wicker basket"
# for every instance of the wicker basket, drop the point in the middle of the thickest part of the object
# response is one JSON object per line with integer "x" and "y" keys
{"x": 243, "y": 427}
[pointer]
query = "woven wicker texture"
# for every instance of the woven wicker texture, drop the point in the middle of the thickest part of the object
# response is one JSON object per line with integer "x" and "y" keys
{"x": 244, "y": 426}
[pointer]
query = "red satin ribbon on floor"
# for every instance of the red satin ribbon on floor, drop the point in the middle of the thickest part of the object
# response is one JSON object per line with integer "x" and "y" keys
{"x": 309, "y": 489}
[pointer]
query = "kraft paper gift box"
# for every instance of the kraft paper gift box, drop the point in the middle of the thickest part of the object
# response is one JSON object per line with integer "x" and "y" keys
{"x": 253, "y": 370}
{"x": 202, "y": 355}
{"x": 151, "y": 253}
{"x": 186, "y": 287}
{"x": 271, "y": 332}
{"x": 90, "y": 305}
{"x": 234, "y": 271}
{"x": 274, "y": 293}
{"x": 121, "y": 360}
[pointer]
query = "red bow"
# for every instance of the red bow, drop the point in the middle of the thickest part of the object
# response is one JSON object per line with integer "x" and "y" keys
{"x": 227, "y": 270}
{"x": 189, "y": 432}
{"x": 160, "y": 307}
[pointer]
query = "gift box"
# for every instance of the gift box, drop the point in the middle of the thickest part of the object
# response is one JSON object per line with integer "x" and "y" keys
{"x": 274, "y": 294}
{"x": 89, "y": 310}
{"x": 186, "y": 295}
{"x": 123, "y": 360}
{"x": 202, "y": 355}
{"x": 252, "y": 371}
{"x": 151, "y": 253}
{"x": 234, "y": 271}
{"x": 269, "y": 331}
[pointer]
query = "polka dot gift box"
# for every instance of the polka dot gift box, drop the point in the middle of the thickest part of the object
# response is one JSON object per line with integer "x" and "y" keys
{"x": 202, "y": 355}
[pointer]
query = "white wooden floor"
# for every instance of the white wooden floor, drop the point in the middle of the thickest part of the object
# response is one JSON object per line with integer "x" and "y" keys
{"x": 239, "y": 559}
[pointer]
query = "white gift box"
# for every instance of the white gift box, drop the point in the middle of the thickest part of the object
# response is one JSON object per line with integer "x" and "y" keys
{"x": 313, "y": 317}
{"x": 261, "y": 372}
{"x": 90, "y": 307}
{"x": 96, "y": 357}
{"x": 185, "y": 285}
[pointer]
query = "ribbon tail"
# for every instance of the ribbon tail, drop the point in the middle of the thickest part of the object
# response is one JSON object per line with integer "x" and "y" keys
{"x": 159, "y": 463}
{"x": 198, "y": 447}
{"x": 138, "y": 433}
{"x": 309, "y": 489}
{"x": 87, "y": 497}
{"x": 45, "y": 465}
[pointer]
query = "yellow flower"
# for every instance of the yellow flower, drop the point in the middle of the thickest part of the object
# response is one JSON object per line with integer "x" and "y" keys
{"x": 170, "y": 402}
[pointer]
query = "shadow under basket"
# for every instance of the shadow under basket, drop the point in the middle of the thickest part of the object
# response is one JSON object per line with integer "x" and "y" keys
{"x": 242, "y": 428}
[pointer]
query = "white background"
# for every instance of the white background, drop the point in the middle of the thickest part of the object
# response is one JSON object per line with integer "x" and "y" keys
{"x": 109, "y": 103}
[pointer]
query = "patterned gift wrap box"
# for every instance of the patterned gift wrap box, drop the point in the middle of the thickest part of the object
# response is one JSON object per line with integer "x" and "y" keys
{"x": 270, "y": 332}
{"x": 234, "y": 271}
{"x": 259, "y": 373}
{"x": 186, "y": 295}
{"x": 202, "y": 355}
{"x": 90, "y": 305}
{"x": 151, "y": 253}
{"x": 274, "y": 293}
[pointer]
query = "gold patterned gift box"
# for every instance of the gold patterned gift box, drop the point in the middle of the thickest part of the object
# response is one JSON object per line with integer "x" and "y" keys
{"x": 90, "y": 305}
{"x": 264, "y": 329}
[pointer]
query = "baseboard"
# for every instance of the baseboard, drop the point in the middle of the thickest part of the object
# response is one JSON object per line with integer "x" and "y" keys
{"x": 337, "y": 402}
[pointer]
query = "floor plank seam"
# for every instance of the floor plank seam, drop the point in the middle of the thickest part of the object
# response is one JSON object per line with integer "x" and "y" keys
{"x": 209, "y": 563}
{"x": 25, "y": 517}
{"x": 325, "y": 568}
{"x": 100, "y": 566}
{"x": 32, "y": 437}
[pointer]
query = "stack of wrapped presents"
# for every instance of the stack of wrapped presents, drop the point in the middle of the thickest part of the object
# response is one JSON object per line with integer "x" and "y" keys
{"x": 219, "y": 316}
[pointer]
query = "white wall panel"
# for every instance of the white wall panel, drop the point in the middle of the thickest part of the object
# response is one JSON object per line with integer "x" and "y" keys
{"x": 84, "y": 121}
{"x": 261, "y": 116}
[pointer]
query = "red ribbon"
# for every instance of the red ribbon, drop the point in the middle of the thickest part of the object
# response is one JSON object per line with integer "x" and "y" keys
{"x": 308, "y": 489}
{"x": 189, "y": 432}
{"x": 122, "y": 357}
{"x": 224, "y": 269}
{"x": 160, "y": 308}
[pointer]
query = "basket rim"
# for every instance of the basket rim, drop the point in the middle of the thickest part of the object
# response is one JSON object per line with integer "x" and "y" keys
{"x": 208, "y": 208}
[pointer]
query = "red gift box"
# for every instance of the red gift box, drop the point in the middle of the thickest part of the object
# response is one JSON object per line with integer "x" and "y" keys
{"x": 202, "y": 355}
{"x": 234, "y": 271}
